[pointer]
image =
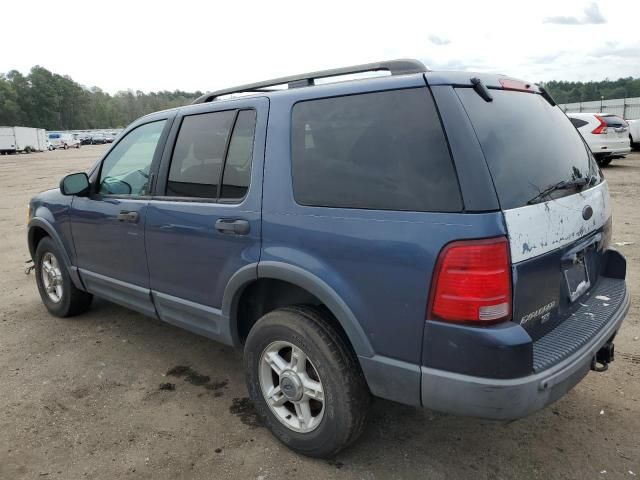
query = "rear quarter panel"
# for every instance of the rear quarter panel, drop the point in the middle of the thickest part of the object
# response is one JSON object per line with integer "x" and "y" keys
{"x": 379, "y": 262}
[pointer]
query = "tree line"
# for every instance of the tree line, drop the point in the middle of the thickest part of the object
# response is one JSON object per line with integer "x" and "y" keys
{"x": 47, "y": 100}
{"x": 573, "y": 92}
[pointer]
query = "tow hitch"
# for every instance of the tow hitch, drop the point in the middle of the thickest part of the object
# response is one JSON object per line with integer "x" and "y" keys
{"x": 603, "y": 358}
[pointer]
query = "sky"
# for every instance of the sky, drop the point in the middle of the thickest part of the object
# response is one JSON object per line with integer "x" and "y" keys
{"x": 206, "y": 45}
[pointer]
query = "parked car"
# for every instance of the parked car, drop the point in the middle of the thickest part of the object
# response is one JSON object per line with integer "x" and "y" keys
{"x": 634, "y": 133}
{"x": 406, "y": 236}
{"x": 606, "y": 134}
{"x": 61, "y": 140}
{"x": 85, "y": 140}
{"x": 109, "y": 138}
{"x": 97, "y": 139}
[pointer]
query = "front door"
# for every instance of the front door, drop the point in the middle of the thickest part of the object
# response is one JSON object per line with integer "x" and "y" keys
{"x": 108, "y": 225}
{"x": 204, "y": 220}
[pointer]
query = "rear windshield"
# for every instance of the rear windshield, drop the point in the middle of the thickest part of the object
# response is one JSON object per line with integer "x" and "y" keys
{"x": 529, "y": 144}
{"x": 614, "y": 121}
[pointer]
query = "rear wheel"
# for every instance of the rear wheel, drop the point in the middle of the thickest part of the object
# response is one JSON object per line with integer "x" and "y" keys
{"x": 305, "y": 381}
{"x": 58, "y": 293}
{"x": 603, "y": 161}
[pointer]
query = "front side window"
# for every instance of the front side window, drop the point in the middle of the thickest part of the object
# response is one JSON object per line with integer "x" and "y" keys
{"x": 383, "y": 150}
{"x": 126, "y": 169}
{"x": 212, "y": 147}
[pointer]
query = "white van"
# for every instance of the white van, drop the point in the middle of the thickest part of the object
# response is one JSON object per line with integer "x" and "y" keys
{"x": 62, "y": 140}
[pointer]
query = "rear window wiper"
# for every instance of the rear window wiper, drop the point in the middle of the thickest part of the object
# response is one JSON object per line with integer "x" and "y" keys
{"x": 578, "y": 183}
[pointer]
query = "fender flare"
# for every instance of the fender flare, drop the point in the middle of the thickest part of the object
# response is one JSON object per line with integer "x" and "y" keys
{"x": 303, "y": 279}
{"x": 51, "y": 232}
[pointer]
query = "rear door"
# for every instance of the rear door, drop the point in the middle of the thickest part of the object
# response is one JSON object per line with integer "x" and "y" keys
{"x": 204, "y": 220}
{"x": 557, "y": 236}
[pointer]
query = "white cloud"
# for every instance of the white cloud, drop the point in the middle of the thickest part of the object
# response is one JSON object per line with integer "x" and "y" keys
{"x": 437, "y": 40}
{"x": 591, "y": 16}
{"x": 203, "y": 45}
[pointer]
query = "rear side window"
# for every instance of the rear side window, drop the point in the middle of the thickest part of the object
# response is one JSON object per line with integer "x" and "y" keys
{"x": 577, "y": 122}
{"x": 237, "y": 170}
{"x": 207, "y": 151}
{"x": 383, "y": 151}
{"x": 529, "y": 145}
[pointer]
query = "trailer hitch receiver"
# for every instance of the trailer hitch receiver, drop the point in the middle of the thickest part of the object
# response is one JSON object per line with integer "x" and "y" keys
{"x": 603, "y": 358}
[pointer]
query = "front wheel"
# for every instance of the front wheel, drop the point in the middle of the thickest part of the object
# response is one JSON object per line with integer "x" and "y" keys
{"x": 305, "y": 381}
{"x": 57, "y": 291}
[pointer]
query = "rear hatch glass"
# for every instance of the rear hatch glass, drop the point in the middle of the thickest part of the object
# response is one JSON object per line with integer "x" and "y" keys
{"x": 614, "y": 121}
{"x": 529, "y": 144}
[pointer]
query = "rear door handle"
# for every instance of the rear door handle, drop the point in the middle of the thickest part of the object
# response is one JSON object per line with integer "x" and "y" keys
{"x": 233, "y": 225}
{"x": 126, "y": 216}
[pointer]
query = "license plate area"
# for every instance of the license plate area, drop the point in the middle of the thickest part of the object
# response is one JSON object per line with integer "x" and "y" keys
{"x": 576, "y": 276}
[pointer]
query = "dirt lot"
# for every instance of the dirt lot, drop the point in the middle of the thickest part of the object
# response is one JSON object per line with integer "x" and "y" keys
{"x": 80, "y": 398}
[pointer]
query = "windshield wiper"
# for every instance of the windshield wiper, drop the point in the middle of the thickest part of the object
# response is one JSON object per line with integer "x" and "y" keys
{"x": 578, "y": 183}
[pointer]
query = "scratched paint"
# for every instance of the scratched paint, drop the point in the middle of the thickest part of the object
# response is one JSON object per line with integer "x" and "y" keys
{"x": 537, "y": 229}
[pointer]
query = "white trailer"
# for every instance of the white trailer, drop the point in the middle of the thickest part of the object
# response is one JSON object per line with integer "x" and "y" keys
{"x": 43, "y": 141}
{"x": 19, "y": 139}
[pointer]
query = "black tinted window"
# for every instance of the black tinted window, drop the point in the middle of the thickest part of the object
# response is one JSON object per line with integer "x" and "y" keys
{"x": 198, "y": 155}
{"x": 237, "y": 170}
{"x": 381, "y": 150}
{"x": 614, "y": 121}
{"x": 577, "y": 122}
{"x": 529, "y": 144}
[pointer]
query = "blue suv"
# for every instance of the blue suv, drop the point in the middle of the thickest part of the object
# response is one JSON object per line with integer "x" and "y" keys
{"x": 437, "y": 239}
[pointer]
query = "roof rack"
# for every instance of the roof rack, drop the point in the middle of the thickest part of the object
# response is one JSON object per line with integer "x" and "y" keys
{"x": 395, "y": 67}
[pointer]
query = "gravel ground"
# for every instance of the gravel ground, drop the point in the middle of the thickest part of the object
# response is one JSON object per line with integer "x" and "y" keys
{"x": 82, "y": 397}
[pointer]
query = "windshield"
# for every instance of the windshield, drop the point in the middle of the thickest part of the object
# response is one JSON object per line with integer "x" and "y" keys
{"x": 529, "y": 146}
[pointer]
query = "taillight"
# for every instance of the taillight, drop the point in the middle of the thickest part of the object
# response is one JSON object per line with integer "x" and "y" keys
{"x": 602, "y": 128}
{"x": 472, "y": 282}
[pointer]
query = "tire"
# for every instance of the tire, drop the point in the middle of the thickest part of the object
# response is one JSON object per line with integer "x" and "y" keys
{"x": 604, "y": 161}
{"x": 336, "y": 420}
{"x": 71, "y": 301}
{"x": 65, "y": 146}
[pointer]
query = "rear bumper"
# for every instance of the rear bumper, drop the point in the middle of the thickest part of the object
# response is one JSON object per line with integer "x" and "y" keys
{"x": 509, "y": 399}
{"x": 612, "y": 150}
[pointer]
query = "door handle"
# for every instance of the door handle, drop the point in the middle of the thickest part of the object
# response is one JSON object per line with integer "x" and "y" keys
{"x": 233, "y": 225}
{"x": 126, "y": 216}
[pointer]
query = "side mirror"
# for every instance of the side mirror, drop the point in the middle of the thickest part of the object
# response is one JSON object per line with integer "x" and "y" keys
{"x": 75, "y": 184}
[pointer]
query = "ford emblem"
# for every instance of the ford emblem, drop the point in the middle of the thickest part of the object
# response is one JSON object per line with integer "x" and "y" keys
{"x": 587, "y": 212}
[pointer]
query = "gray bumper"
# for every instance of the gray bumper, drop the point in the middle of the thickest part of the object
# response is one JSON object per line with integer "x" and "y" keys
{"x": 510, "y": 399}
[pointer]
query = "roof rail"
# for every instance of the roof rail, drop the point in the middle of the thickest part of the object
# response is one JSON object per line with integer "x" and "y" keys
{"x": 395, "y": 67}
